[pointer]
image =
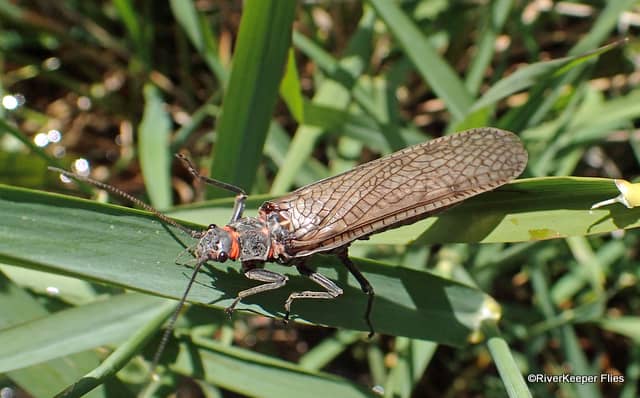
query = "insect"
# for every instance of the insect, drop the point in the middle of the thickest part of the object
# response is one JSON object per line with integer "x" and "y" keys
{"x": 328, "y": 215}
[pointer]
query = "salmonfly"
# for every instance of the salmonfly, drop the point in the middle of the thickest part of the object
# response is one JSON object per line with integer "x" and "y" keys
{"x": 328, "y": 215}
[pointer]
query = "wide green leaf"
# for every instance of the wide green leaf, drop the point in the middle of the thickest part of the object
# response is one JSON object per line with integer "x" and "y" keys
{"x": 128, "y": 248}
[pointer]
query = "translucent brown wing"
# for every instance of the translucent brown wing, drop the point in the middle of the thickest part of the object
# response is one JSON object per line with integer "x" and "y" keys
{"x": 399, "y": 189}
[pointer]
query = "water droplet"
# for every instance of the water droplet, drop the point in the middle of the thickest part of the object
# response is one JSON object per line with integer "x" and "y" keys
{"x": 41, "y": 140}
{"x": 54, "y": 135}
{"x": 10, "y": 102}
{"x": 52, "y": 290}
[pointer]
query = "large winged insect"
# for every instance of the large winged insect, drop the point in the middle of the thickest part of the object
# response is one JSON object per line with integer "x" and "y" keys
{"x": 328, "y": 215}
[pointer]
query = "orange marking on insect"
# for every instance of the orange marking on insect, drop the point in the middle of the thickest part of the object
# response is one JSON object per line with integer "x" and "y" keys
{"x": 235, "y": 247}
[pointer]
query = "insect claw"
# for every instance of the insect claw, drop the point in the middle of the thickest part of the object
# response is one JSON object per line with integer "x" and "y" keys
{"x": 229, "y": 310}
{"x": 286, "y": 317}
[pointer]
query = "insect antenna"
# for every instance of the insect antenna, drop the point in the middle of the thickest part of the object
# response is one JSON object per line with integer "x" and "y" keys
{"x": 172, "y": 321}
{"x": 241, "y": 195}
{"x": 191, "y": 232}
{"x": 207, "y": 180}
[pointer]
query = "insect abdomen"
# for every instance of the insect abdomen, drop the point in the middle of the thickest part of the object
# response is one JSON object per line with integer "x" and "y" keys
{"x": 399, "y": 189}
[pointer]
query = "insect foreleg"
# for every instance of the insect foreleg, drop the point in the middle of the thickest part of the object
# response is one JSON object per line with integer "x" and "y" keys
{"x": 364, "y": 285}
{"x": 332, "y": 292}
{"x": 274, "y": 281}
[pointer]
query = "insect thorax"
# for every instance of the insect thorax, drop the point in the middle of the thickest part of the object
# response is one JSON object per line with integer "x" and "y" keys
{"x": 253, "y": 238}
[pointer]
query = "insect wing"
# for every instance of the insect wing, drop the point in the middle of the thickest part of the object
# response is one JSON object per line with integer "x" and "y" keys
{"x": 399, "y": 189}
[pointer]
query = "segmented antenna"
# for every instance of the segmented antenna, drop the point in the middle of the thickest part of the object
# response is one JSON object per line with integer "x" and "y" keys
{"x": 191, "y": 232}
{"x": 172, "y": 321}
{"x": 208, "y": 180}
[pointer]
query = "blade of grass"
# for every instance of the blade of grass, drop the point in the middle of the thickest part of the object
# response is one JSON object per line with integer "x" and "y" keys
{"x": 121, "y": 356}
{"x": 139, "y": 33}
{"x": 328, "y": 349}
{"x": 533, "y": 74}
{"x": 258, "y": 65}
{"x": 496, "y": 16}
{"x": 507, "y": 367}
{"x": 78, "y": 329}
{"x": 199, "y": 35}
{"x": 431, "y": 66}
{"x": 525, "y": 210}
{"x": 253, "y": 374}
{"x": 45, "y": 378}
{"x": 290, "y": 89}
{"x": 332, "y": 92}
{"x": 153, "y": 149}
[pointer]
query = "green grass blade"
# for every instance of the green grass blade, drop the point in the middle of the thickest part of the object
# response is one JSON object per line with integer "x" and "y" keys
{"x": 607, "y": 20}
{"x": 507, "y": 367}
{"x": 187, "y": 16}
{"x": 290, "y": 89}
{"x": 628, "y": 326}
{"x": 122, "y": 355}
{"x": 525, "y": 210}
{"x": 431, "y": 66}
{"x": 496, "y": 16}
{"x": 253, "y": 374}
{"x": 153, "y": 149}
{"x": 75, "y": 330}
{"x": 327, "y": 350}
{"x": 258, "y": 67}
{"x": 45, "y": 378}
{"x": 533, "y": 74}
{"x": 331, "y": 92}
{"x": 139, "y": 33}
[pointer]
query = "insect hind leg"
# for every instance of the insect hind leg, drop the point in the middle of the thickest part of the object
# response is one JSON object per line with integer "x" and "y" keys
{"x": 273, "y": 280}
{"x": 364, "y": 285}
{"x": 332, "y": 290}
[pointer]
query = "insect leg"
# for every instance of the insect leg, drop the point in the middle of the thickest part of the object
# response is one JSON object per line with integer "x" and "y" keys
{"x": 273, "y": 281}
{"x": 332, "y": 292}
{"x": 241, "y": 195}
{"x": 364, "y": 285}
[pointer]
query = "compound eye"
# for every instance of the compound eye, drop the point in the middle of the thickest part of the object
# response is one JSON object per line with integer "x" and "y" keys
{"x": 222, "y": 257}
{"x": 212, "y": 226}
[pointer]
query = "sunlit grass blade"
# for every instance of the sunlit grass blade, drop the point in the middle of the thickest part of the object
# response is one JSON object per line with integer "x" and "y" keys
{"x": 258, "y": 66}
{"x": 290, "y": 89}
{"x": 153, "y": 149}
{"x": 330, "y": 92}
{"x": 431, "y": 66}
{"x": 522, "y": 211}
{"x": 138, "y": 337}
{"x": 80, "y": 328}
{"x": 533, "y": 74}
{"x": 507, "y": 367}
{"x": 45, "y": 378}
{"x": 254, "y": 374}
